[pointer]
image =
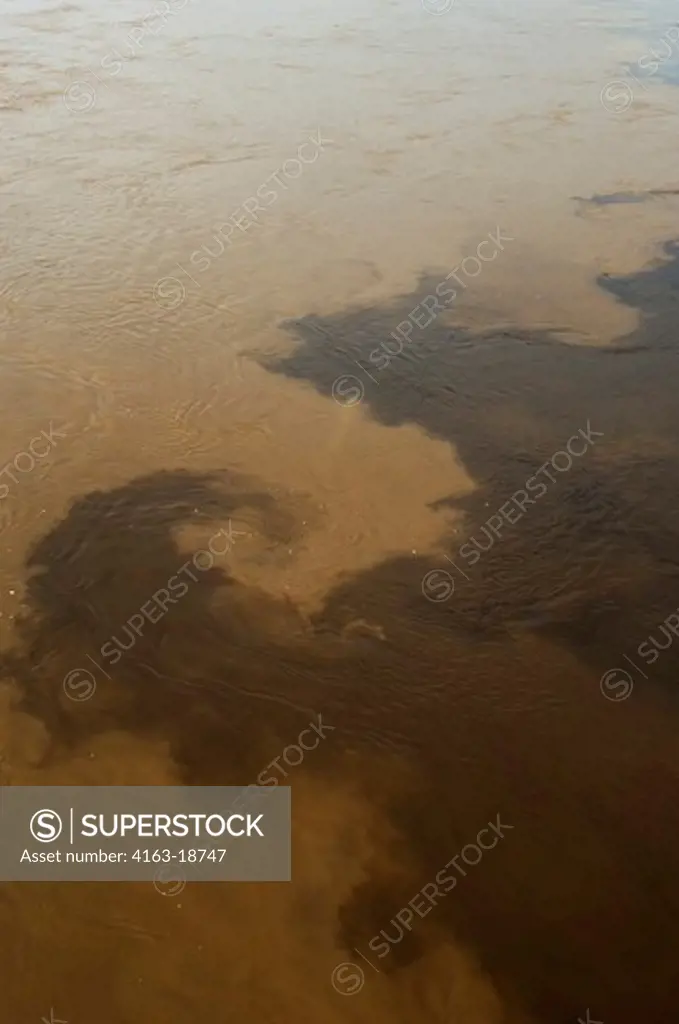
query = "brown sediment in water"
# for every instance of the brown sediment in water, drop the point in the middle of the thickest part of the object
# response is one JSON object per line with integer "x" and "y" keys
{"x": 443, "y": 716}
{"x": 219, "y": 407}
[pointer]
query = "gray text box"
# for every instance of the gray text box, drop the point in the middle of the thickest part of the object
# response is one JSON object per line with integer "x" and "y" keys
{"x": 163, "y": 834}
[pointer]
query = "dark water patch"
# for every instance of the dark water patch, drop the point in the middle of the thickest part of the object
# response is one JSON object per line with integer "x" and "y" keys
{"x": 492, "y": 696}
{"x": 507, "y": 401}
{"x": 613, "y": 198}
{"x": 593, "y": 567}
{"x": 622, "y": 198}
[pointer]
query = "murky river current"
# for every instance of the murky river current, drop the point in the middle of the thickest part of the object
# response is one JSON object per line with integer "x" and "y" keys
{"x": 386, "y": 292}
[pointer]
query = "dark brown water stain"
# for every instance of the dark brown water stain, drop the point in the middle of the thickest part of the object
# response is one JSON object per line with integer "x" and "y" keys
{"x": 595, "y": 567}
{"x": 599, "y": 199}
{"x": 507, "y": 400}
{"x": 622, "y": 198}
{"x": 579, "y": 906}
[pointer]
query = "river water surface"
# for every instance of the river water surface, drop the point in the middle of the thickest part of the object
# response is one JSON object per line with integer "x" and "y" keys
{"x": 213, "y": 215}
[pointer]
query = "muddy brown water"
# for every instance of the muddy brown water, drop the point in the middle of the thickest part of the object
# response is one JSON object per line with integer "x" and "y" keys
{"x": 397, "y": 567}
